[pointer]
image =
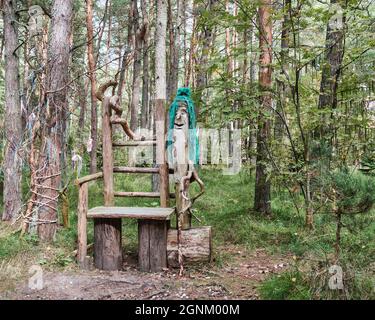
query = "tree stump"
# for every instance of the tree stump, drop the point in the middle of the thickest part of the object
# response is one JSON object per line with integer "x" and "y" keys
{"x": 196, "y": 246}
{"x": 107, "y": 244}
{"x": 152, "y": 245}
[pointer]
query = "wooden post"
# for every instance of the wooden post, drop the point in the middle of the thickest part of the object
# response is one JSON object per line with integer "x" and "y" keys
{"x": 83, "y": 199}
{"x": 152, "y": 245}
{"x": 161, "y": 158}
{"x": 107, "y": 154}
{"x": 107, "y": 232}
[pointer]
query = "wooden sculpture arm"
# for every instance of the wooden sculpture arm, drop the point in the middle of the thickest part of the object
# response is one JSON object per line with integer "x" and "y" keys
{"x": 191, "y": 177}
{"x": 114, "y": 102}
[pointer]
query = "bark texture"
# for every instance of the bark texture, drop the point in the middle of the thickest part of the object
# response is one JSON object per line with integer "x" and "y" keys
{"x": 262, "y": 200}
{"x": 55, "y": 118}
{"x": 13, "y": 118}
{"x": 94, "y": 102}
{"x": 137, "y": 68}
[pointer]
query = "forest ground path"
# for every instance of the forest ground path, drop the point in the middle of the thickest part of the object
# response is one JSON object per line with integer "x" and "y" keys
{"x": 237, "y": 278}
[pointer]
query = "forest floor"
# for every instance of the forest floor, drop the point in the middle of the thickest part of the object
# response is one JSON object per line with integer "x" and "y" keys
{"x": 238, "y": 279}
{"x": 254, "y": 257}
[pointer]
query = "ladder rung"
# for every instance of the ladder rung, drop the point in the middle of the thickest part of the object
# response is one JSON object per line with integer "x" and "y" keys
{"x": 135, "y": 170}
{"x": 138, "y": 194}
{"x": 132, "y": 143}
{"x": 141, "y": 194}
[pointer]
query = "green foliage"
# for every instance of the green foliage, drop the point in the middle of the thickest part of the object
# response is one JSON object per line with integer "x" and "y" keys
{"x": 61, "y": 260}
{"x": 11, "y": 245}
{"x": 367, "y": 165}
{"x": 354, "y": 192}
{"x": 290, "y": 285}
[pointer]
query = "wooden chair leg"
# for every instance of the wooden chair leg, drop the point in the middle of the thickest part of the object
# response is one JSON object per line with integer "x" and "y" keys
{"x": 152, "y": 245}
{"x": 107, "y": 244}
{"x": 82, "y": 225}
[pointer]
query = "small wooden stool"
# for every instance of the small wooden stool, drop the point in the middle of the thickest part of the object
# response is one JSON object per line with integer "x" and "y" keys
{"x": 153, "y": 225}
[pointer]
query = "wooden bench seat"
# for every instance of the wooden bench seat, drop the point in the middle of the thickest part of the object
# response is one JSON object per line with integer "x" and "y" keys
{"x": 153, "y": 225}
{"x": 145, "y": 213}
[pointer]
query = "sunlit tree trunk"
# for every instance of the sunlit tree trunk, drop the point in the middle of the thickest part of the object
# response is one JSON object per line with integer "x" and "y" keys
{"x": 189, "y": 67}
{"x": 161, "y": 96}
{"x": 91, "y": 69}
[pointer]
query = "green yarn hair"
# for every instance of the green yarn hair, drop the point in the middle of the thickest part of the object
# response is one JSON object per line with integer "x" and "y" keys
{"x": 184, "y": 95}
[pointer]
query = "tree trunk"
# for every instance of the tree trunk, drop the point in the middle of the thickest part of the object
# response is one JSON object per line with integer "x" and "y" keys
{"x": 281, "y": 85}
{"x": 330, "y": 76}
{"x": 108, "y": 44}
{"x": 262, "y": 200}
{"x": 101, "y": 30}
{"x": 146, "y": 66}
{"x": 124, "y": 64}
{"x": 137, "y": 67}
{"x": 190, "y": 60}
{"x": 13, "y": 116}
{"x": 55, "y": 115}
{"x": 160, "y": 99}
{"x": 94, "y": 102}
{"x": 175, "y": 28}
{"x": 207, "y": 38}
{"x": 82, "y": 94}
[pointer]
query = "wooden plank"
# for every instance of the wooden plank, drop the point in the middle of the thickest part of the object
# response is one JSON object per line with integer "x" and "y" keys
{"x": 196, "y": 246}
{"x": 89, "y": 178}
{"x": 134, "y": 143}
{"x": 135, "y": 170}
{"x": 83, "y": 199}
{"x": 131, "y": 212}
{"x": 161, "y": 158}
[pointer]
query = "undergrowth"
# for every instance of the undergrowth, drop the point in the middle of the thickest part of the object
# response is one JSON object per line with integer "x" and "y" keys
{"x": 227, "y": 207}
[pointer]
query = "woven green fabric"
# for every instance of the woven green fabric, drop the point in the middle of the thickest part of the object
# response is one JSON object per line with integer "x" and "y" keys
{"x": 184, "y": 95}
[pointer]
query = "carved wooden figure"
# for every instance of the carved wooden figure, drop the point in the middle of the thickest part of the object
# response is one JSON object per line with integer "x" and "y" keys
{"x": 181, "y": 163}
{"x": 183, "y": 146}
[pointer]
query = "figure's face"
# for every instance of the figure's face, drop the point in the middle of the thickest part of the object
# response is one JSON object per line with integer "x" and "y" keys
{"x": 182, "y": 118}
{"x": 35, "y": 11}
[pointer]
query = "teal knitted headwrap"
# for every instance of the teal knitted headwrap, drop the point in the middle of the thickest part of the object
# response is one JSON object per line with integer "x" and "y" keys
{"x": 184, "y": 95}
